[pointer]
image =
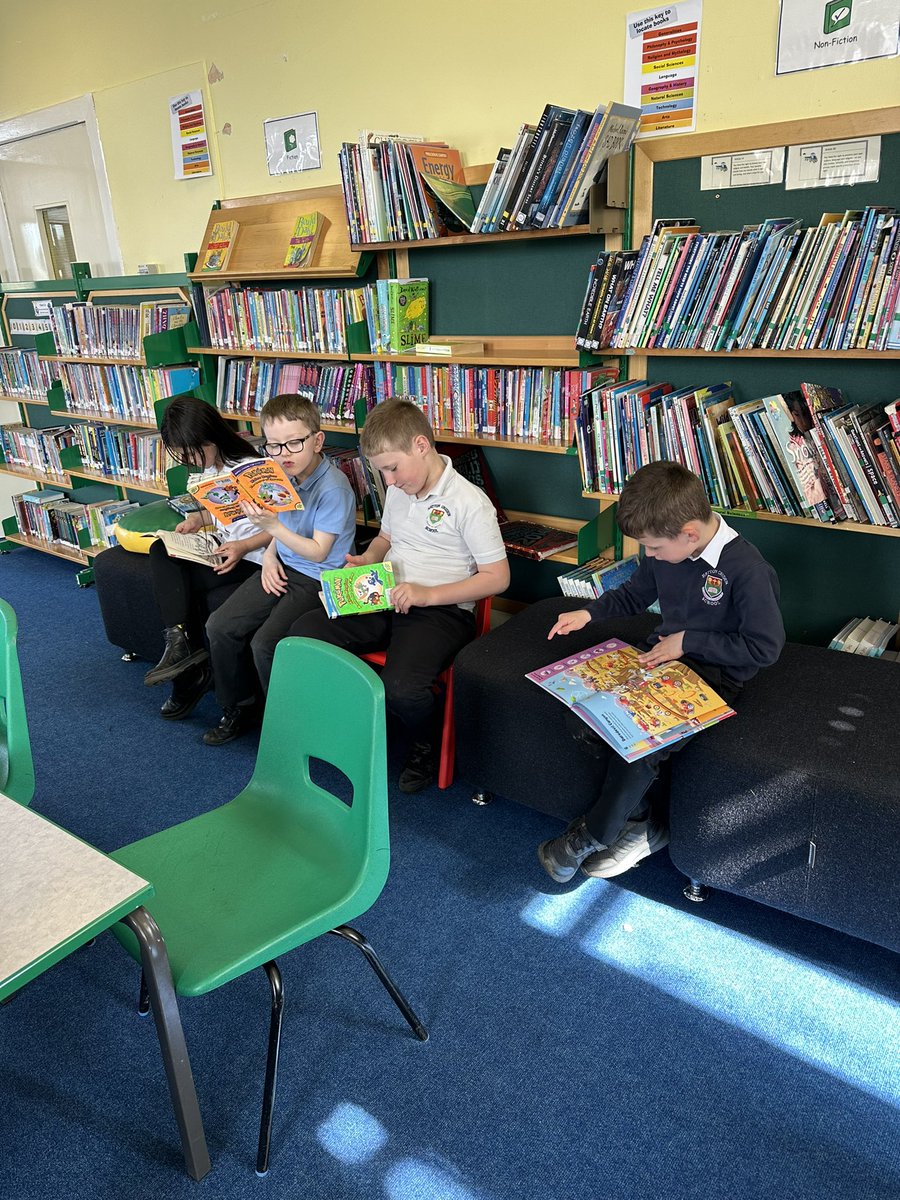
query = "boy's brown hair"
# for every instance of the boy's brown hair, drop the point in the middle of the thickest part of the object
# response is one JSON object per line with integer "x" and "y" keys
{"x": 660, "y": 499}
{"x": 291, "y": 408}
{"x": 394, "y": 425}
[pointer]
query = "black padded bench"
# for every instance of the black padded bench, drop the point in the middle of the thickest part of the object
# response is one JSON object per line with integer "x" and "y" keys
{"x": 794, "y": 802}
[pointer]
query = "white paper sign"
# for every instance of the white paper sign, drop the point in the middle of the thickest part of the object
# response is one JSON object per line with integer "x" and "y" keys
{"x": 20, "y": 328}
{"x": 42, "y": 308}
{"x": 826, "y": 164}
{"x": 826, "y": 33}
{"x": 190, "y": 145}
{"x": 752, "y": 168}
{"x": 292, "y": 144}
{"x": 662, "y": 60}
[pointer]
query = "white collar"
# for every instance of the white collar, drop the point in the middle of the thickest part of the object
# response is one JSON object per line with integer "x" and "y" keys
{"x": 717, "y": 543}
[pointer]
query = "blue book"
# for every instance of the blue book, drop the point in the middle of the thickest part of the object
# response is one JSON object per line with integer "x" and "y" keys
{"x": 766, "y": 244}
{"x": 547, "y": 200}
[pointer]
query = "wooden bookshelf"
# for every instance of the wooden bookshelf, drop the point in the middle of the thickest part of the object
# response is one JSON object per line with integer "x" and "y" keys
{"x": 36, "y": 476}
{"x": 304, "y": 355}
{"x": 568, "y": 524}
{"x": 662, "y": 352}
{"x": 253, "y": 420}
{"x": 513, "y": 351}
{"x": 105, "y": 419}
{"x": 66, "y": 552}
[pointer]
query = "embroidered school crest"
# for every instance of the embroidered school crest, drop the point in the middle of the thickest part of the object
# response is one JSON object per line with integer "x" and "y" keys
{"x": 713, "y": 587}
{"x": 436, "y": 514}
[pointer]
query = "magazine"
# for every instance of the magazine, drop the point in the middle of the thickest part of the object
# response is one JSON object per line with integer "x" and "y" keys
{"x": 202, "y": 547}
{"x": 260, "y": 481}
{"x": 353, "y": 591}
{"x": 635, "y": 710}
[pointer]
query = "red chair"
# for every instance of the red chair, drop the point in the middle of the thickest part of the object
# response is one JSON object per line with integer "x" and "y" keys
{"x": 448, "y": 729}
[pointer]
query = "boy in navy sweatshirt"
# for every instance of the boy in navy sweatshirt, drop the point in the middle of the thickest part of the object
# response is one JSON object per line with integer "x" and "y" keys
{"x": 719, "y": 603}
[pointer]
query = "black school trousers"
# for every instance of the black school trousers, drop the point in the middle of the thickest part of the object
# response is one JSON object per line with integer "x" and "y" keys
{"x": 420, "y": 644}
{"x": 181, "y": 588}
{"x": 623, "y": 794}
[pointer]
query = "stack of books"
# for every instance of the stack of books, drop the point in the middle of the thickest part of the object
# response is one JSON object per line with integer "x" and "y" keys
{"x": 867, "y": 636}
{"x": 592, "y": 579}
{"x": 774, "y": 285}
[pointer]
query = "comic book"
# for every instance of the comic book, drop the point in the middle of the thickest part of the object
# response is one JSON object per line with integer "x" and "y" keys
{"x": 260, "y": 481}
{"x": 354, "y": 591}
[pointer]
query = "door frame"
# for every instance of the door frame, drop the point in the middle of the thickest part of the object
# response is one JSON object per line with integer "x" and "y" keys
{"x": 79, "y": 111}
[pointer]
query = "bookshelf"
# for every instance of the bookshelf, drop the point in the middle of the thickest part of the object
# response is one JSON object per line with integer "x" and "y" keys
{"x": 825, "y": 578}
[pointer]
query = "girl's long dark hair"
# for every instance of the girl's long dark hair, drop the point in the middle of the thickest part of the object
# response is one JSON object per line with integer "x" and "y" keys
{"x": 188, "y": 424}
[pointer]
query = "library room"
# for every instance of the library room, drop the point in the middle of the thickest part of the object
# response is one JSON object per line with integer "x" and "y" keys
{"x": 463, "y": 521}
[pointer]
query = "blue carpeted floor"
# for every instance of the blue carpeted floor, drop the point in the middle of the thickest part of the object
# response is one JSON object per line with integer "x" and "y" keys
{"x": 602, "y": 1040}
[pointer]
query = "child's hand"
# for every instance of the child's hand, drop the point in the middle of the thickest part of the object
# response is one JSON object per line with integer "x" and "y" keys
{"x": 273, "y": 578}
{"x": 568, "y": 622}
{"x": 356, "y": 560}
{"x": 229, "y": 555}
{"x": 261, "y": 517}
{"x": 667, "y": 649}
{"x": 191, "y": 523}
{"x": 405, "y": 596}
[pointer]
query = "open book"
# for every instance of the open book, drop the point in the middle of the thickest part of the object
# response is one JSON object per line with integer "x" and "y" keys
{"x": 352, "y": 591}
{"x": 635, "y": 710}
{"x": 201, "y": 547}
{"x": 260, "y": 481}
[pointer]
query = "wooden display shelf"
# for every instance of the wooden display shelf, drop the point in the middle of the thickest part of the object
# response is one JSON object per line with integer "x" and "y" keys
{"x": 23, "y": 399}
{"x": 551, "y": 350}
{"x": 505, "y": 443}
{"x": 327, "y": 426}
{"x": 120, "y": 481}
{"x": 106, "y": 419}
{"x": 66, "y": 552}
{"x": 314, "y": 355}
{"x": 100, "y": 362}
{"x": 569, "y": 524}
{"x": 36, "y": 475}
{"x": 475, "y": 239}
{"x": 661, "y": 352}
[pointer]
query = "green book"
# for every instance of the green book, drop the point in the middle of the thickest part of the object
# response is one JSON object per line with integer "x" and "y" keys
{"x": 407, "y": 314}
{"x": 353, "y": 591}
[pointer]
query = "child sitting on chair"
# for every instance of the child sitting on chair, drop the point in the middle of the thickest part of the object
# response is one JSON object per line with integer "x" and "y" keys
{"x": 304, "y": 542}
{"x": 719, "y": 603}
{"x": 441, "y": 535}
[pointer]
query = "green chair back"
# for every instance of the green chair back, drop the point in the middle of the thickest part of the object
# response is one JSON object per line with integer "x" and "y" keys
{"x": 16, "y": 766}
{"x": 286, "y": 860}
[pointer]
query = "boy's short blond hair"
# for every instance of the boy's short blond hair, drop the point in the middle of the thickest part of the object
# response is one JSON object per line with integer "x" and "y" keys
{"x": 660, "y": 499}
{"x": 394, "y": 425}
{"x": 289, "y": 407}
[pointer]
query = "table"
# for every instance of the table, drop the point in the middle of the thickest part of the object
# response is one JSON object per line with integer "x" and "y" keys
{"x": 56, "y": 893}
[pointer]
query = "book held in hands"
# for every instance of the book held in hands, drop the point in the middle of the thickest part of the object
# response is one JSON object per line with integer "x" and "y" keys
{"x": 201, "y": 547}
{"x": 354, "y": 591}
{"x": 259, "y": 481}
{"x": 634, "y": 710}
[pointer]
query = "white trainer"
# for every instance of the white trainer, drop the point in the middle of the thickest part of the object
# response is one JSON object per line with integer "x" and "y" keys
{"x": 638, "y": 840}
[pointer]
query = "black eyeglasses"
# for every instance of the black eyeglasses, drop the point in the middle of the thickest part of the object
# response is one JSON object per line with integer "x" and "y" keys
{"x": 293, "y": 447}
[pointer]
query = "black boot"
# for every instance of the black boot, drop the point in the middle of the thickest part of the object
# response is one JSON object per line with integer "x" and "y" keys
{"x": 561, "y": 857}
{"x": 419, "y": 770}
{"x": 234, "y": 723}
{"x": 187, "y": 692}
{"x": 177, "y": 657}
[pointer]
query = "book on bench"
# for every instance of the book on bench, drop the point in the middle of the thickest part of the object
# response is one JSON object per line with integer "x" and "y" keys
{"x": 635, "y": 710}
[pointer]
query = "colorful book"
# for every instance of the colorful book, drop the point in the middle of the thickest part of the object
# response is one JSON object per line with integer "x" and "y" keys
{"x": 260, "y": 481}
{"x": 407, "y": 314}
{"x": 218, "y": 250}
{"x": 301, "y": 251}
{"x": 634, "y": 710}
{"x": 355, "y": 591}
{"x": 530, "y": 539}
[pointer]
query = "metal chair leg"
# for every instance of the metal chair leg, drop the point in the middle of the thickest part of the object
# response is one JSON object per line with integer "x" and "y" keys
{"x": 268, "y": 1106}
{"x": 143, "y": 997}
{"x": 158, "y": 975}
{"x": 354, "y": 936}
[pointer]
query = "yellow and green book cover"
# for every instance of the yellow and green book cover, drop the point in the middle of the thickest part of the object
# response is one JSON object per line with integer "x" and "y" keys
{"x": 301, "y": 251}
{"x": 407, "y": 314}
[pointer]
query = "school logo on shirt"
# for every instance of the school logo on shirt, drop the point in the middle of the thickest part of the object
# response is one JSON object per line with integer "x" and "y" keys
{"x": 436, "y": 514}
{"x": 713, "y": 586}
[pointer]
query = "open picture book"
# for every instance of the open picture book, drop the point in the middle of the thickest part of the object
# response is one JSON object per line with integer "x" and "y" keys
{"x": 635, "y": 710}
{"x": 260, "y": 481}
{"x": 353, "y": 591}
{"x": 200, "y": 547}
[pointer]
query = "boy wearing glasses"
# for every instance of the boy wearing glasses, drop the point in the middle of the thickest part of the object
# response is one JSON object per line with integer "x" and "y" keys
{"x": 304, "y": 543}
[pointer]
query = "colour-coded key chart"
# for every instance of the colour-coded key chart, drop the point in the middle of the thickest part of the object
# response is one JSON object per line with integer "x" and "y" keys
{"x": 662, "y": 57}
{"x": 190, "y": 145}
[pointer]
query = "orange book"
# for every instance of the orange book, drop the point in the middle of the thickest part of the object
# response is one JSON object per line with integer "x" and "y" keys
{"x": 219, "y": 248}
{"x": 260, "y": 481}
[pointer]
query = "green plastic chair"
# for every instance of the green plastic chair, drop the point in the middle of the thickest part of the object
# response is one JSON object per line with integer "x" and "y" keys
{"x": 16, "y": 766}
{"x": 285, "y": 861}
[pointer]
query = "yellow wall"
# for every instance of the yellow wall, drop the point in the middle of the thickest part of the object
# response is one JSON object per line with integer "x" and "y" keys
{"x": 466, "y": 71}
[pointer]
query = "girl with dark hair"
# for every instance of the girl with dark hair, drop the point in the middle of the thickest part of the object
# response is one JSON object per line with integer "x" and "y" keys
{"x": 196, "y": 435}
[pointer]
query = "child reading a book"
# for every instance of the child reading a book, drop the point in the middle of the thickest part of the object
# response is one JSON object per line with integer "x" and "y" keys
{"x": 719, "y": 603}
{"x": 196, "y": 435}
{"x": 303, "y": 543}
{"x": 441, "y": 536}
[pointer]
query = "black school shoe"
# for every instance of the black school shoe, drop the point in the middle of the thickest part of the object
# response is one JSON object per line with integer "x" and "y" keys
{"x": 419, "y": 770}
{"x": 234, "y": 723}
{"x": 187, "y": 692}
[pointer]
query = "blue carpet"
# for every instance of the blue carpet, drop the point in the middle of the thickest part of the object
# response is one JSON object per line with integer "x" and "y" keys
{"x": 601, "y": 1040}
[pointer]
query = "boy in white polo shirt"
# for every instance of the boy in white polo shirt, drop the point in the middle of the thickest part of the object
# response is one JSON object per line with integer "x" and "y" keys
{"x": 441, "y": 535}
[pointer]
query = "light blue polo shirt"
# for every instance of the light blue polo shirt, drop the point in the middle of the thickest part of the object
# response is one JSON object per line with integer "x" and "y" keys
{"x": 329, "y": 506}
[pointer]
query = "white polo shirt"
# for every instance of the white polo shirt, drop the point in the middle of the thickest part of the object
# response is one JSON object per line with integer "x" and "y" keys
{"x": 444, "y": 536}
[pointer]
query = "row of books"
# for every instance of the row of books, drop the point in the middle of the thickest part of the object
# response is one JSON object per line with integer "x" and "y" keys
{"x": 113, "y": 330}
{"x": 396, "y": 315}
{"x": 122, "y": 392}
{"x": 53, "y": 518}
{"x": 36, "y": 449}
{"x": 775, "y": 286}
{"x": 807, "y": 453}
{"x": 132, "y": 455}
{"x": 309, "y": 320}
{"x": 592, "y": 579}
{"x": 243, "y": 386}
{"x": 22, "y": 374}
{"x": 869, "y": 636}
{"x": 366, "y": 483}
{"x": 544, "y": 180}
{"x": 537, "y": 403}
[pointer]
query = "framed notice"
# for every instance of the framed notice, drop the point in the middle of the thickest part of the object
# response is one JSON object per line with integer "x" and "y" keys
{"x": 751, "y": 168}
{"x": 292, "y": 144}
{"x": 190, "y": 145}
{"x": 828, "y": 164}
{"x": 826, "y": 33}
{"x": 662, "y": 57}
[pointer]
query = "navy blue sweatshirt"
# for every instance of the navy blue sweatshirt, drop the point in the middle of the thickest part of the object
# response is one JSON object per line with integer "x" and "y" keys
{"x": 729, "y": 612}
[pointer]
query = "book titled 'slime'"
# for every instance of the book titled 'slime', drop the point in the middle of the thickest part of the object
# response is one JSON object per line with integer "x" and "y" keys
{"x": 307, "y": 230}
{"x": 354, "y": 591}
{"x": 407, "y": 314}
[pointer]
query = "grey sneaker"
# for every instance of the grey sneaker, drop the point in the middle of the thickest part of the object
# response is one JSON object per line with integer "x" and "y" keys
{"x": 638, "y": 840}
{"x": 562, "y": 856}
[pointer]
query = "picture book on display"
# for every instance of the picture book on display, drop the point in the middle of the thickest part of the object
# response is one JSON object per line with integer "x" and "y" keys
{"x": 200, "y": 547}
{"x": 219, "y": 248}
{"x": 301, "y": 251}
{"x": 531, "y": 539}
{"x": 260, "y": 481}
{"x": 354, "y": 591}
{"x": 634, "y": 710}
